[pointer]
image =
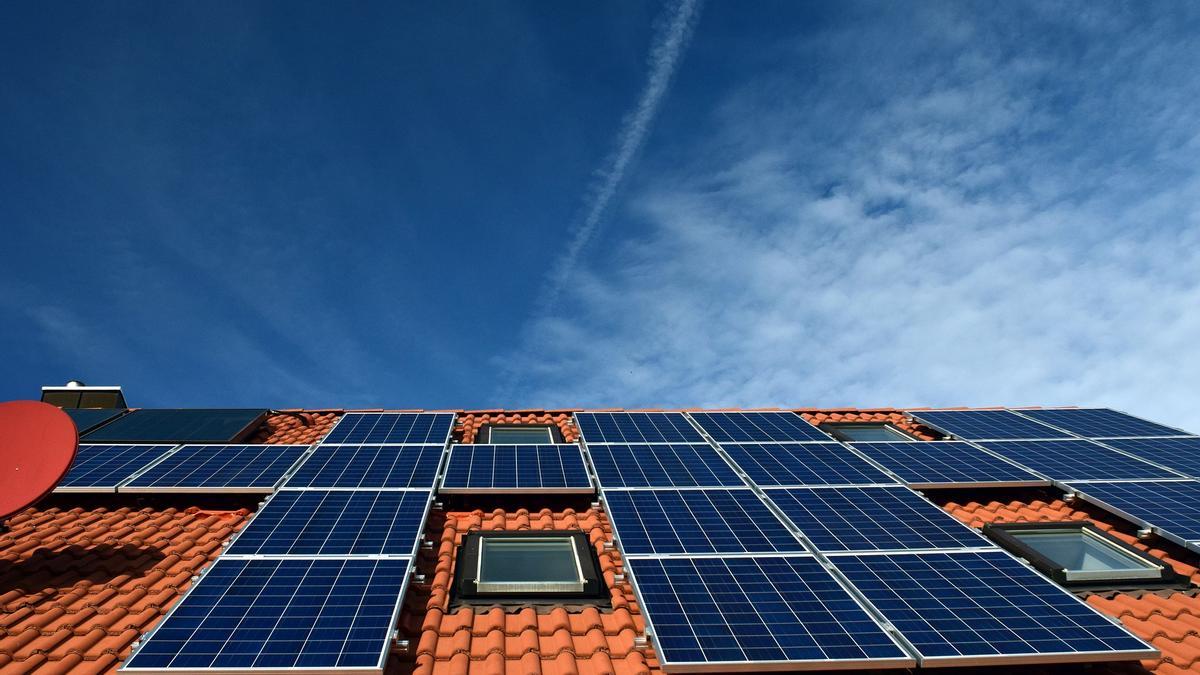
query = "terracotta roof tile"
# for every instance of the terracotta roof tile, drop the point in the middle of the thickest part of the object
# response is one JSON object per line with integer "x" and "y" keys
{"x": 295, "y": 427}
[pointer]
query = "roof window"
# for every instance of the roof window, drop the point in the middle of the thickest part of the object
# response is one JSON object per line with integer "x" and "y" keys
{"x": 519, "y": 567}
{"x": 865, "y": 432}
{"x": 1080, "y": 554}
{"x": 520, "y": 434}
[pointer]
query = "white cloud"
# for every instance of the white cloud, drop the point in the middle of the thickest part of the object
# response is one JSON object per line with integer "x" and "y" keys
{"x": 970, "y": 211}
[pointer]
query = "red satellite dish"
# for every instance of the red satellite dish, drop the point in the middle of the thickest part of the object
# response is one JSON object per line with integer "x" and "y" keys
{"x": 37, "y": 445}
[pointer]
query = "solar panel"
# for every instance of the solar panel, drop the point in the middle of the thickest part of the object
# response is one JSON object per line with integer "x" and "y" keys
{"x": 335, "y": 522}
{"x": 194, "y": 425}
{"x": 975, "y": 425}
{"x": 392, "y": 428}
{"x": 660, "y": 522}
{"x": 1100, "y": 423}
{"x": 636, "y": 427}
{"x": 219, "y": 468}
{"x": 516, "y": 468}
{"x": 872, "y": 519}
{"x": 100, "y": 468}
{"x": 290, "y": 613}
{"x": 946, "y": 464}
{"x": 659, "y": 465}
{"x": 721, "y": 613}
{"x": 758, "y": 427}
{"x": 86, "y": 419}
{"x": 368, "y": 466}
{"x": 980, "y": 608}
{"x": 804, "y": 464}
{"x": 1181, "y": 454}
{"x": 1075, "y": 460}
{"x": 1172, "y": 507}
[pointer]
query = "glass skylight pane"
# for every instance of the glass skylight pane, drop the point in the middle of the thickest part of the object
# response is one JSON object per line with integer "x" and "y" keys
{"x": 1078, "y": 551}
{"x": 520, "y": 435}
{"x": 528, "y": 561}
{"x": 867, "y": 432}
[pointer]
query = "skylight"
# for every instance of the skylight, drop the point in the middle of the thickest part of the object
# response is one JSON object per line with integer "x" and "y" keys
{"x": 865, "y": 432}
{"x": 1074, "y": 553}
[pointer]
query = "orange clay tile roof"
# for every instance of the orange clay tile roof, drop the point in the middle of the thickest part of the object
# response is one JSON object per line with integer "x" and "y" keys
{"x": 78, "y": 585}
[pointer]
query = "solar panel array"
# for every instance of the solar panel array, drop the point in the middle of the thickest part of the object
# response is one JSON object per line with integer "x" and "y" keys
{"x": 1172, "y": 508}
{"x": 979, "y": 425}
{"x": 1100, "y": 423}
{"x": 804, "y": 464}
{"x": 1065, "y": 460}
{"x": 87, "y": 419}
{"x": 219, "y": 468}
{"x": 976, "y": 608}
{"x": 1180, "y": 454}
{"x": 758, "y": 427}
{"x": 149, "y": 425}
{"x": 696, "y": 521}
{"x": 931, "y": 464}
{"x": 335, "y": 522}
{"x": 724, "y": 582}
{"x": 101, "y": 468}
{"x": 290, "y": 613}
{"x": 872, "y": 519}
{"x": 516, "y": 468}
{"x": 361, "y": 496}
{"x": 707, "y": 613}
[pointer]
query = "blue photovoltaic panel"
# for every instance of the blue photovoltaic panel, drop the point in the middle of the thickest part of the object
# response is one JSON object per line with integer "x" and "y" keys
{"x": 335, "y": 522}
{"x": 696, "y": 521}
{"x": 659, "y": 465}
{"x": 985, "y": 607}
{"x": 523, "y": 468}
{"x": 290, "y": 613}
{"x": 1181, "y": 454}
{"x": 635, "y": 427}
{"x": 257, "y": 468}
{"x": 974, "y": 425}
{"x": 392, "y": 428}
{"x": 104, "y": 466}
{"x": 1100, "y": 423}
{"x": 1075, "y": 460}
{"x": 934, "y": 463}
{"x": 192, "y": 425}
{"x": 368, "y": 466}
{"x": 754, "y": 611}
{"x": 872, "y": 519}
{"x": 804, "y": 464}
{"x": 1170, "y": 506}
{"x": 758, "y": 427}
{"x": 86, "y": 419}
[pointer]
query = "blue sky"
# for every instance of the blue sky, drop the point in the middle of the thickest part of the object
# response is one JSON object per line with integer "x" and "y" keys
{"x": 619, "y": 204}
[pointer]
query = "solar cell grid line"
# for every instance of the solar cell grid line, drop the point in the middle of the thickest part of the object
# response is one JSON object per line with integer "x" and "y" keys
{"x": 218, "y": 468}
{"x": 760, "y": 612}
{"x": 280, "y": 615}
{"x": 758, "y": 427}
{"x": 516, "y": 468}
{"x": 663, "y": 522}
{"x": 368, "y": 466}
{"x": 932, "y": 464}
{"x": 983, "y": 608}
{"x": 391, "y": 429}
{"x": 661, "y": 465}
{"x": 636, "y": 427}
{"x": 782, "y": 464}
{"x": 1100, "y": 423}
{"x": 872, "y": 519}
{"x": 979, "y": 425}
{"x": 1181, "y": 454}
{"x": 335, "y": 523}
{"x": 100, "y": 468}
{"x": 1065, "y": 460}
{"x": 1172, "y": 508}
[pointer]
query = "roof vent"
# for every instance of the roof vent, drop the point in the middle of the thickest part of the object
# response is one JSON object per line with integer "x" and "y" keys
{"x": 76, "y": 394}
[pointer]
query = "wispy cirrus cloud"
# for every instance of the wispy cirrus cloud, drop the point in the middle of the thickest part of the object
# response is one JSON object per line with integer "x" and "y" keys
{"x": 957, "y": 207}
